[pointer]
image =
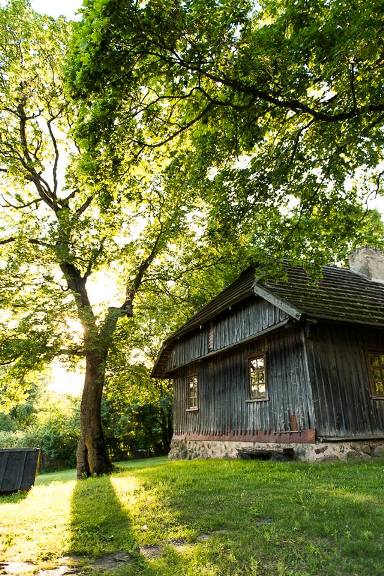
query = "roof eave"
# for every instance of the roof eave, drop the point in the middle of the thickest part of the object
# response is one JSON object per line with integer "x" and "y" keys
{"x": 157, "y": 372}
{"x": 278, "y": 302}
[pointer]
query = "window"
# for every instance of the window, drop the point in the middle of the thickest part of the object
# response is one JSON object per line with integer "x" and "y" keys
{"x": 211, "y": 336}
{"x": 376, "y": 368}
{"x": 257, "y": 378}
{"x": 192, "y": 391}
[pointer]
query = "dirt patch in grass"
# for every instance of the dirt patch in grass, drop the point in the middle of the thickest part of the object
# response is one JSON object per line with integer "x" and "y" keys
{"x": 16, "y": 568}
{"x": 177, "y": 542}
{"x": 112, "y": 561}
{"x": 263, "y": 520}
{"x": 151, "y": 551}
{"x": 27, "y": 568}
{"x": 59, "y": 571}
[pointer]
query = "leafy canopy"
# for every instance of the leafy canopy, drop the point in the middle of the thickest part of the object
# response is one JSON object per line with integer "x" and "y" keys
{"x": 273, "y": 111}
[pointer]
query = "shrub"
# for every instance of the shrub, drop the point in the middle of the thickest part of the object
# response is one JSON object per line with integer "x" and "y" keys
{"x": 54, "y": 429}
{"x": 138, "y": 429}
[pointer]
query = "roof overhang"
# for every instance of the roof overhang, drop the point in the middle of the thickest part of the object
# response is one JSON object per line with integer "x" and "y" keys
{"x": 278, "y": 302}
{"x": 161, "y": 370}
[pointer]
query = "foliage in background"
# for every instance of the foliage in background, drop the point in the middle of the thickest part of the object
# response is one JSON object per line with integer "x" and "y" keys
{"x": 136, "y": 415}
{"x": 137, "y": 410}
{"x": 48, "y": 421}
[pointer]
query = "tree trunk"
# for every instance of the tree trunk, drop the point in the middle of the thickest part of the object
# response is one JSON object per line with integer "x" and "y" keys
{"x": 92, "y": 456}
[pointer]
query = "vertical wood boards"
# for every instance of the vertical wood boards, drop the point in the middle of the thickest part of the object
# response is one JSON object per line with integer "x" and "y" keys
{"x": 247, "y": 320}
{"x": 337, "y": 358}
{"x": 224, "y": 406}
{"x": 318, "y": 377}
{"x": 18, "y": 468}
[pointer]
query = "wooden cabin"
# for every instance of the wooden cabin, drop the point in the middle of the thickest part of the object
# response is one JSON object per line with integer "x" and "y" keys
{"x": 267, "y": 366}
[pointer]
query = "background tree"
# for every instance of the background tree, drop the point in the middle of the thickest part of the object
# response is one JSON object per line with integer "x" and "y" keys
{"x": 275, "y": 110}
{"x": 67, "y": 220}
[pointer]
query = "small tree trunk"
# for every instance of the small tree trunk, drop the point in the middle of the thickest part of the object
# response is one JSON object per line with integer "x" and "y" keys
{"x": 92, "y": 456}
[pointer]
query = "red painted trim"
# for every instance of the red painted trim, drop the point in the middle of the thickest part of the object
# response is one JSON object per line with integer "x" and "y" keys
{"x": 307, "y": 436}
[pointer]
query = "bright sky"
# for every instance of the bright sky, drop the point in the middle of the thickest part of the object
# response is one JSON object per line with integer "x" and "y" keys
{"x": 63, "y": 381}
{"x": 57, "y": 8}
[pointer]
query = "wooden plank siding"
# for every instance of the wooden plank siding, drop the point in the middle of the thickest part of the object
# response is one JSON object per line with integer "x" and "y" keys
{"x": 224, "y": 409}
{"x": 337, "y": 361}
{"x": 249, "y": 319}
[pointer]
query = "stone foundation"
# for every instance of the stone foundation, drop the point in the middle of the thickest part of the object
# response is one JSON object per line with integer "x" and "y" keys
{"x": 184, "y": 449}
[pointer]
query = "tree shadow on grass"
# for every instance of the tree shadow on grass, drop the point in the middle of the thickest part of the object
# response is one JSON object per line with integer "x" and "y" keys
{"x": 101, "y": 530}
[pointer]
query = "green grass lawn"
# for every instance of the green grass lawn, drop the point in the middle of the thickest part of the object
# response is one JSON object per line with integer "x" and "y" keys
{"x": 211, "y": 518}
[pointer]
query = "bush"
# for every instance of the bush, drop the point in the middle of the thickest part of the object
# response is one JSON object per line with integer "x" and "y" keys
{"x": 138, "y": 429}
{"x": 57, "y": 441}
{"x": 55, "y": 430}
{"x": 13, "y": 439}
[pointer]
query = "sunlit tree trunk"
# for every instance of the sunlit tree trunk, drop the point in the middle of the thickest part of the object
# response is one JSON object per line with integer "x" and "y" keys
{"x": 92, "y": 455}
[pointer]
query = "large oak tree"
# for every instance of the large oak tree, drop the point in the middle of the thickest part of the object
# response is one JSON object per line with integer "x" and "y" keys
{"x": 67, "y": 216}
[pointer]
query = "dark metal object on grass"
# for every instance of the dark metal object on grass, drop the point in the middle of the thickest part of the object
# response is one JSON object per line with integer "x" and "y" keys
{"x": 18, "y": 468}
{"x": 258, "y": 454}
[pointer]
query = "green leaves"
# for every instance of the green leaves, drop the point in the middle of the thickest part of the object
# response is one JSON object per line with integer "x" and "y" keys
{"x": 281, "y": 101}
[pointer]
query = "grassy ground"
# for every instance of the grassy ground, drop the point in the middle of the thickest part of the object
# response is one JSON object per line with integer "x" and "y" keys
{"x": 208, "y": 518}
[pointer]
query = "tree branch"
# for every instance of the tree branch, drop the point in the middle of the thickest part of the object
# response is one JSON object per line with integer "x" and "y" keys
{"x": 84, "y": 206}
{"x": 29, "y": 240}
{"x": 56, "y": 155}
{"x": 134, "y": 286}
{"x": 8, "y": 204}
{"x": 178, "y": 132}
{"x": 71, "y": 352}
{"x": 352, "y": 83}
{"x": 95, "y": 255}
{"x": 41, "y": 185}
{"x": 294, "y": 104}
{"x": 77, "y": 285}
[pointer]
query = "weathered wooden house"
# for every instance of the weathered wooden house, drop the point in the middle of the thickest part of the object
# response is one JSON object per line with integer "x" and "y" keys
{"x": 288, "y": 364}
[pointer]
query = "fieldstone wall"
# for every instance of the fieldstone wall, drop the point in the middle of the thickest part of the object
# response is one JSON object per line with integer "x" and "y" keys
{"x": 184, "y": 449}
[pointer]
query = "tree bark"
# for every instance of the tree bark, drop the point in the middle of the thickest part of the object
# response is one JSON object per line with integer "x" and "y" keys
{"x": 92, "y": 455}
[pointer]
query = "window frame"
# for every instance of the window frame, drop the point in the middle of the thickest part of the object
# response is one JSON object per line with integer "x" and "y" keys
{"x": 251, "y": 357}
{"x": 369, "y": 354}
{"x": 192, "y": 373}
{"x": 211, "y": 338}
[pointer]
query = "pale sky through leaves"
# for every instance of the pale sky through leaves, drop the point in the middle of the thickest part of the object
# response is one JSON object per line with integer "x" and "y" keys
{"x": 57, "y": 8}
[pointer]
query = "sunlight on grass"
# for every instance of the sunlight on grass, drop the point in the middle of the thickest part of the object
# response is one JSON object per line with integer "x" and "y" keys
{"x": 205, "y": 518}
{"x": 63, "y": 476}
{"x": 36, "y": 527}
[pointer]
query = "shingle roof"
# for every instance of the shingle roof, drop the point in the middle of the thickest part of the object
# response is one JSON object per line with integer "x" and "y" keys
{"x": 341, "y": 295}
